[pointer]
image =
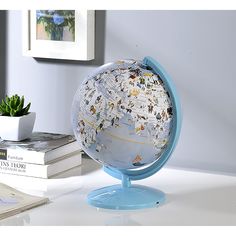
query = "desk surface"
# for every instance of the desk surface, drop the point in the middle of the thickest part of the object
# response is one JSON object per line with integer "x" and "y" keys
{"x": 193, "y": 198}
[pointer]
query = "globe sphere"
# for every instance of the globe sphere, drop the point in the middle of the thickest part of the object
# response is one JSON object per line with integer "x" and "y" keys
{"x": 122, "y": 115}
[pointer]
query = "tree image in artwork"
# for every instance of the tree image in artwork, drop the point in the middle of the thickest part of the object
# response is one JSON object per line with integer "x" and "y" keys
{"x": 58, "y": 25}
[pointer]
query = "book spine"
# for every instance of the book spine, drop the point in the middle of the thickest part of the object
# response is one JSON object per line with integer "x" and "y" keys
{"x": 20, "y": 155}
{"x": 40, "y": 171}
{"x": 26, "y": 169}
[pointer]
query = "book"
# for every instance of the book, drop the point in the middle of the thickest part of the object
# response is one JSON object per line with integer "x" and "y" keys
{"x": 13, "y": 201}
{"x": 41, "y": 171}
{"x": 40, "y": 148}
{"x": 52, "y": 188}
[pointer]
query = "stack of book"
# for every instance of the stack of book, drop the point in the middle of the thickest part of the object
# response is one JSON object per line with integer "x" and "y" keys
{"x": 43, "y": 155}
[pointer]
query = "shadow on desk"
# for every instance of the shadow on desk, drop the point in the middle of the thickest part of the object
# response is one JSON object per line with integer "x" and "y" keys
{"x": 218, "y": 200}
{"x": 88, "y": 165}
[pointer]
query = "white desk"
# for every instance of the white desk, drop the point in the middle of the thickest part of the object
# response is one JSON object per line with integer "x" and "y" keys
{"x": 193, "y": 198}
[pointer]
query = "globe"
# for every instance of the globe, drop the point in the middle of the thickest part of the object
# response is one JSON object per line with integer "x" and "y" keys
{"x": 123, "y": 116}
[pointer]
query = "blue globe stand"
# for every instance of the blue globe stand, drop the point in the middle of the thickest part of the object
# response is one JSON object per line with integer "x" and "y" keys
{"x": 130, "y": 197}
{"x": 126, "y": 196}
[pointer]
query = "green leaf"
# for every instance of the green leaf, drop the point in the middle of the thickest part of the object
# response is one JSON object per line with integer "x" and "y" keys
{"x": 21, "y": 104}
{"x": 7, "y": 100}
{"x": 11, "y": 102}
{"x": 26, "y": 109}
{"x": 7, "y": 109}
{"x": 12, "y": 112}
{"x": 17, "y": 101}
{"x": 3, "y": 102}
{"x": 1, "y": 109}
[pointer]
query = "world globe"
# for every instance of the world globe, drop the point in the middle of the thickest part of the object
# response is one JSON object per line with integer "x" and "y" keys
{"x": 122, "y": 115}
{"x": 125, "y": 115}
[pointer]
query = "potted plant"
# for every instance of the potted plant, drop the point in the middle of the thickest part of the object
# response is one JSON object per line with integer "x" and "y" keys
{"x": 16, "y": 122}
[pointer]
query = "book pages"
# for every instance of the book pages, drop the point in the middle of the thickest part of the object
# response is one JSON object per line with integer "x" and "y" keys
{"x": 13, "y": 201}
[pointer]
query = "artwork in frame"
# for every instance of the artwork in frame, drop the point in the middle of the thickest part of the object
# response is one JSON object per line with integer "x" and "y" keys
{"x": 59, "y": 34}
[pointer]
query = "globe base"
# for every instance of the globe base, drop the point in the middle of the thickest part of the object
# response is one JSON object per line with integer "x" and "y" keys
{"x": 118, "y": 197}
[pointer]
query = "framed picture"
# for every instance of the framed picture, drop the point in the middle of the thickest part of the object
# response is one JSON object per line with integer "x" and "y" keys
{"x": 59, "y": 34}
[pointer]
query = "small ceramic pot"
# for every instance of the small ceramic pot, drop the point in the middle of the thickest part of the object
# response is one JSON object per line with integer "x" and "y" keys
{"x": 17, "y": 128}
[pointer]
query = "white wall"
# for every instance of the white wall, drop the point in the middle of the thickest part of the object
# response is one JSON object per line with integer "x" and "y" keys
{"x": 198, "y": 50}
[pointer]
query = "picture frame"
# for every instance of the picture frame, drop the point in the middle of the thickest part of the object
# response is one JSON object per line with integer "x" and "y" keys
{"x": 59, "y": 34}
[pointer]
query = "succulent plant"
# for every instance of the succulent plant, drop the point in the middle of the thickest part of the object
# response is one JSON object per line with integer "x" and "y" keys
{"x": 14, "y": 106}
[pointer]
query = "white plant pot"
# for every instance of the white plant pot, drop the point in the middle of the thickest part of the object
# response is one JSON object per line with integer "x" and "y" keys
{"x": 17, "y": 128}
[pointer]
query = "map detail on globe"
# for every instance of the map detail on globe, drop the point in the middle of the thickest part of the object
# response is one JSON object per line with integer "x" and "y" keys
{"x": 122, "y": 115}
